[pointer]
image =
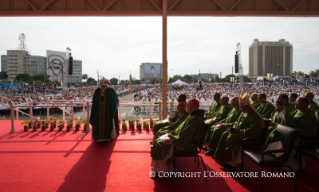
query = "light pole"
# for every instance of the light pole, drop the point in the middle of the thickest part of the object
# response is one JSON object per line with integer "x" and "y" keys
{"x": 98, "y": 78}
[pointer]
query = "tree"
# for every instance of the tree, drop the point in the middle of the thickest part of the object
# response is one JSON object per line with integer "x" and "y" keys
{"x": 188, "y": 78}
{"x": 23, "y": 77}
{"x": 56, "y": 82}
{"x": 294, "y": 74}
{"x": 217, "y": 78}
{"x": 41, "y": 77}
{"x": 300, "y": 74}
{"x": 4, "y": 75}
{"x": 154, "y": 81}
{"x": 314, "y": 73}
{"x": 85, "y": 76}
{"x": 91, "y": 81}
{"x": 247, "y": 79}
{"x": 114, "y": 81}
{"x": 137, "y": 82}
{"x": 227, "y": 78}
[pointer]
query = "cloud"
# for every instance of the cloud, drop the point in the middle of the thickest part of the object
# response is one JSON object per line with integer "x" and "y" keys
{"x": 117, "y": 45}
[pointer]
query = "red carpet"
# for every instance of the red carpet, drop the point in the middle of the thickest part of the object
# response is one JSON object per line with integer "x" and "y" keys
{"x": 71, "y": 161}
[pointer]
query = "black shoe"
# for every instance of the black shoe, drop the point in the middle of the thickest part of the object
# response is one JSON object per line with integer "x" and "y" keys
{"x": 209, "y": 153}
{"x": 205, "y": 148}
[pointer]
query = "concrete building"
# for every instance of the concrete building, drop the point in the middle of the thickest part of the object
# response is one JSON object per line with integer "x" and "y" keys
{"x": 205, "y": 76}
{"x": 148, "y": 71}
{"x": 274, "y": 57}
{"x": 20, "y": 62}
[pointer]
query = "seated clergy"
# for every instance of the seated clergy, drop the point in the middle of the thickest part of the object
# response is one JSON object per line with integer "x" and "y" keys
{"x": 173, "y": 118}
{"x": 215, "y": 132}
{"x": 254, "y": 100}
{"x": 304, "y": 120}
{"x": 265, "y": 109}
{"x": 274, "y": 121}
{"x": 248, "y": 125}
{"x": 214, "y": 107}
{"x": 289, "y": 107}
{"x": 222, "y": 112}
{"x": 182, "y": 116}
{"x": 185, "y": 137}
{"x": 313, "y": 105}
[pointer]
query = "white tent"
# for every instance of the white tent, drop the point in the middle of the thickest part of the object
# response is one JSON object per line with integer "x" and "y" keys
{"x": 179, "y": 82}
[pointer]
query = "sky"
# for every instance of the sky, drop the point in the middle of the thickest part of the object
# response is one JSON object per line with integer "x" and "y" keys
{"x": 116, "y": 46}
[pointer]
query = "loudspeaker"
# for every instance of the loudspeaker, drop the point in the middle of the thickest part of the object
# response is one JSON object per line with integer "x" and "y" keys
{"x": 236, "y": 63}
{"x": 70, "y": 65}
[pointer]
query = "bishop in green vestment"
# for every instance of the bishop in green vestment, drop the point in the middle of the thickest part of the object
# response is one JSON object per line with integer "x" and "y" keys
{"x": 254, "y": 100}
{"x": 222, "y": 112}
{"x": 275, "y": 120}
{"x": 173, "y": 118}
{"x": 103, "y": 116}
{"x": 185, "y": 137}
{"x": 215, "y": 132}
{"x": 181, "y": 109}
{"x": 313, "y": 105}
{"x": 265, "y": 109}
{"x": 248, "y": 125}
{"x": 214, "y": 107}
{"x": 304, "y": 120}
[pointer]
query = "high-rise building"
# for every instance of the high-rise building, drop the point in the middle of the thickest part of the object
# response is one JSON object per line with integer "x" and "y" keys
{"x": 20, "y": 62}
{"x": 275, "y": 57}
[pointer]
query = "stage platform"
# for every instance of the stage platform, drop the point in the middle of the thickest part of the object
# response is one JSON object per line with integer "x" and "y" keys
{"x": 71, "y": 161}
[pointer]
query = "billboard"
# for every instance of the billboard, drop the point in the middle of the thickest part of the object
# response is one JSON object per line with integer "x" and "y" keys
{"x": 152, "y": 70}
{"x": 57, "y": 65}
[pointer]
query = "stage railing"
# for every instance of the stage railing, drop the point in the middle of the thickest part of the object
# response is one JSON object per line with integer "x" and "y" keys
{"x": 62, "y": 105}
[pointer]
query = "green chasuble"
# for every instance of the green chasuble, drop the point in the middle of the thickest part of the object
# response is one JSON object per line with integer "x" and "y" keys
{"x": 255, "y": 104}
{"x": 290, "y": 108}
{"x": 221, "y": 113}
{"x": 305, "y": 121}
{"x": 213, "y": 109}
{"x": 230, "y": 143}
{"x": 266, "y": 109}
{"x": 316, "y": 106}
{"x": 272, "y": 128}
{"x": 185, "y": 137}
{"x": 214, "y": 133}
{"x": 166, "y": 129}
{"x": 161, "y": 124}
{"x": 103, "y": 113}
{"x": 179, "y": 121}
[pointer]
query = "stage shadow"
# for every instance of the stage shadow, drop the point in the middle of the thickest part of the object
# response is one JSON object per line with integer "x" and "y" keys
{"x": 90, "y": 172}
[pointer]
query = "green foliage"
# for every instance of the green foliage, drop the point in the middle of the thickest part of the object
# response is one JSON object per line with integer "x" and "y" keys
{"x": 314, "y": 73}
{"x": 91, "y": 81}
{"x": 85, "y": 76}
{"x": 114, "y": 81}
{"x": 4, "y": 75}
{"x": 23, "y": 77}
{"x": 61, "y": 123}
{"x": 41, "y": 77}
{"x": 137, "y": 82}
{"x": 26, "y": 122}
